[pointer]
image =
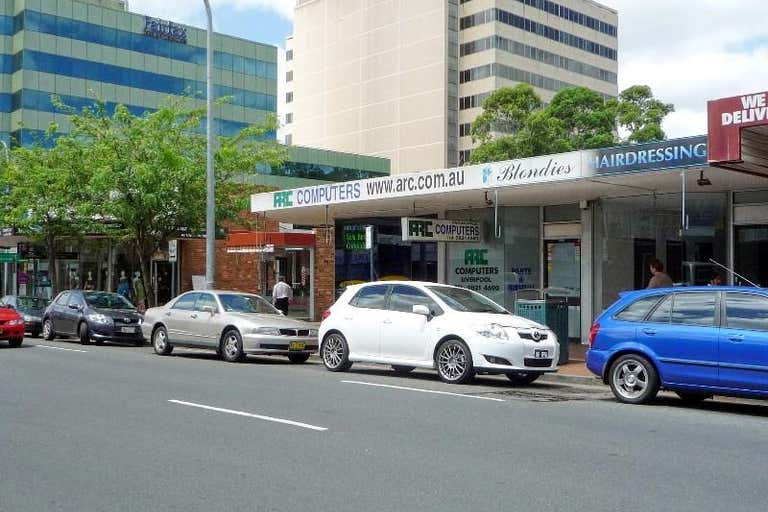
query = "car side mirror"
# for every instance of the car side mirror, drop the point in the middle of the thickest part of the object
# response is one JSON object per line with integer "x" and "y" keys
{"x": 421, "y": 309}
{"x": 209, "y": 309}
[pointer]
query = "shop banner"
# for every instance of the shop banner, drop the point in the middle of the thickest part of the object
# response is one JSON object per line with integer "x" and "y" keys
{"x": 725, "y": 119}
{"x": 479, "y": 268}
{"x": 440, "y": 230}
{"x": 523, "y": 171}
{"x": 358, "y": 237}
{"x": 646, "y": 157}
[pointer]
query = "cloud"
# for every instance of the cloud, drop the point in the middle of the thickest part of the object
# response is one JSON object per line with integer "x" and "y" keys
{"x": 193, "y": 11}
{"x": 690, "y": 52}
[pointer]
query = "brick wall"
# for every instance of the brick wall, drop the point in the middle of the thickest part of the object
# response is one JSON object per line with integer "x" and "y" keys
{"x": 234, "y": 271}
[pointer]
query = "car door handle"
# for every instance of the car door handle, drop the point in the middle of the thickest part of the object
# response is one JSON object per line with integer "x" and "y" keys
{"x": 649, "y": 332}
{"x": 347, "y": 318}
{"x": 193, "y": 315}
{"x": 167, "y": 313}
{"x": 736, "y": 338}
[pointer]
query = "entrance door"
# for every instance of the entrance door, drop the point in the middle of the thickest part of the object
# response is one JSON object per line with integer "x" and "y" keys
{"x": 751, "y": 254}
{"x": 562, "y": 276}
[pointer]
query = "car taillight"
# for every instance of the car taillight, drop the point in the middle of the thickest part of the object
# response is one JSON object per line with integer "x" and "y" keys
{"x": 326, "y": 313}
{"x": 593, "y": 334}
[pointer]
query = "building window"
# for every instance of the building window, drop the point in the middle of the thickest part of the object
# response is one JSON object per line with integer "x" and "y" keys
{"x": 465, "y": 129}
{"x": 501, "y": 16}
{"x": 288, "y": 97}
{"x": 475, "y": 101}
{"x": 464, "y": 156}
{"x": 289, "y": 76}
{"x": 289, "y": 118}
{"x": 288, "y": 139}
{"x": 514, "y": 74}
{"x": 289, "y": 55}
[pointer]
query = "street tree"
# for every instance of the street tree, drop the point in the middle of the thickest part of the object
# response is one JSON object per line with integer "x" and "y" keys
{"x": 589, "y": 120}
{"x": 641, "y": 115}
{"x": 505, "y": 111}
{"x": 147, "y": 172}
{"x": 44, "y": 198}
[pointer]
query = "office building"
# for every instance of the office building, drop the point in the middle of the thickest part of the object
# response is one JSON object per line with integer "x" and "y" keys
{"x": 405, "y": 80}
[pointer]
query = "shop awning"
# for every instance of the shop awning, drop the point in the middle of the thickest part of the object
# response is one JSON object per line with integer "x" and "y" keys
{"x": 259, "y": 241}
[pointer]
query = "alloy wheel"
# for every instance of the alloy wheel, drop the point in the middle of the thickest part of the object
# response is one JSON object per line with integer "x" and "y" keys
{"x": 231, "y": 348}
{"x": 333, "y": 351}
{"x": 160, "y": 340}
{"x": 630, "y": 379}
{"x": 454, "y": 364}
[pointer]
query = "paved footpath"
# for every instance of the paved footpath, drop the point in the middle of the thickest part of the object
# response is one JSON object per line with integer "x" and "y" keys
{"x": 114, "y": 428}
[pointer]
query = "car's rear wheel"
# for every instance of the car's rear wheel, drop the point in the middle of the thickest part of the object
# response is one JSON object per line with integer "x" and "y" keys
{"x": 160, "y": 342}
{"x": 16, "y": 342}
{"x": 48, "y": 332}
{"x": 402, "y": 370}
{"x": 690, "y": 397}
{"x": 335, "y": 353}
{"x": 454, "y": 362}
{"x": 633, "y": 379}
{"x": 83, "y": 334}
{"x": 522, "y": 378}
{"x": 298, "y": 358}
{"x": 232, "y": 347}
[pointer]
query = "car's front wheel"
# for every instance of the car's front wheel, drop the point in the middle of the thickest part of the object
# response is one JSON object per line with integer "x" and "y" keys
{"x": 298, "y": 358}
{"x": 232, "y": 347}
{"x": 48, "y": 332}
{"x": 160, "y": 342}
{"x": 335, "y": 353}
{"x": 454, "y": 362}
{"x": 523, "y": 378}
{"x": 83, "y": 334}
{"x": 633, "y": 379}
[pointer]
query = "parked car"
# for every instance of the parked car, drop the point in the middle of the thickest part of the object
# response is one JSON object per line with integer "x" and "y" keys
{"x": 413, "y": 324}
{"x": 91, "y": 315}
{"x": 11, "y": 326}
{"x": 31, "y": 309}
{"x": 697, "y": 342}
{"x": 232, "y": 323}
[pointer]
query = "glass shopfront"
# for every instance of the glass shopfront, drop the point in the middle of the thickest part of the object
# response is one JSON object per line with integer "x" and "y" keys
{"x": 632, "y": 231}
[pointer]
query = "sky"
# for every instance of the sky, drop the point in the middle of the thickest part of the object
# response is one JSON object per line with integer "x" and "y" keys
{"x": 687, "y": 51}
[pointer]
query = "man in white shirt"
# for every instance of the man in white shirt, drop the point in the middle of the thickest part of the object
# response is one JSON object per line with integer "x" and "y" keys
{"x": 282, "y": 293}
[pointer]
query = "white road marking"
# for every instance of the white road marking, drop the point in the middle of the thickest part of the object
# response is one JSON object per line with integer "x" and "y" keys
{"x": 61, "y": 348}
{"x": 250, "y": 415}
{"x": 421, "y": 390}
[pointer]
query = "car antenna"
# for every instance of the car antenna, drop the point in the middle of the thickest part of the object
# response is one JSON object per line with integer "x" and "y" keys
{"x": 733, "y": 273}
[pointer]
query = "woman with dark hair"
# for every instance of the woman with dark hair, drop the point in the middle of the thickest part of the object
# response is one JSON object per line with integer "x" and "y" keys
{"x": 659, "y": 278}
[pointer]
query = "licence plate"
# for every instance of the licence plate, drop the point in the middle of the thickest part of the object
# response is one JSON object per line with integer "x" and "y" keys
{"x": 297, "y": 345}
{"x": 541, "y": 354}
{"x": 128, "y": 329}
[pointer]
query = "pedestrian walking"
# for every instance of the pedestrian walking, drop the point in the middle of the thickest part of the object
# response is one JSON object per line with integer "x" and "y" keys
{"x": 282, "y": 294}
{"x": 659, "y": 278}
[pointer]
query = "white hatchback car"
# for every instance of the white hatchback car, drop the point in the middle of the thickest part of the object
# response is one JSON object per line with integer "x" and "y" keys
{"x": 426, "y": 325}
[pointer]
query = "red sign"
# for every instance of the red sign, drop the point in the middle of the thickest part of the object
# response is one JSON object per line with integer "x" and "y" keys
{"x": 726, "y": 118}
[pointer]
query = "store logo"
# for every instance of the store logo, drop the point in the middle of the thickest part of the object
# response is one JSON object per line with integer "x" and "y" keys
{"x": 161, "y": 29}
{"x": 420, "y": 228}
{"x": 282, "y": 199}
{"x": 476, "y": 257}
{"x": 522, "y": 171}
{"x": 487, "y": 172}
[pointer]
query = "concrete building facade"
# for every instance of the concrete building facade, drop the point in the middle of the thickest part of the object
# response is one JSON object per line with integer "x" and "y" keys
{"x": 405, "y": 80}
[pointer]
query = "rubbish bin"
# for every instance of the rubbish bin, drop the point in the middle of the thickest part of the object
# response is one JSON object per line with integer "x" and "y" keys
{"x": 550, "y": 312}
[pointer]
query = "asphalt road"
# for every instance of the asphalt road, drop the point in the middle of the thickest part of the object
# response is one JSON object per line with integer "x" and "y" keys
{"x": 116, "y": 428}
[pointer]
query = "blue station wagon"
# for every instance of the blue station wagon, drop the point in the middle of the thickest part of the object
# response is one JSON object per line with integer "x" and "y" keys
{"x": 697, "y": 341}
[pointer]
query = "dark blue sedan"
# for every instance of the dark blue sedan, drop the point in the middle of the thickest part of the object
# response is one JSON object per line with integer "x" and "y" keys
{"x": 698, "y": 342}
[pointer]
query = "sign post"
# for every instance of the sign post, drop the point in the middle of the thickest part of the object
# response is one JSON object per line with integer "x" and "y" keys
{"x": 173, "y": 255}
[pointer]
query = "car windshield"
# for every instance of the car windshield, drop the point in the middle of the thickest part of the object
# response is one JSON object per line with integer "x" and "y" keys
{"x": 106, "y": 300}
{"x": 32, "y": 303}
{"x": 465, "y": 300}
{"x": 238, "y": 303}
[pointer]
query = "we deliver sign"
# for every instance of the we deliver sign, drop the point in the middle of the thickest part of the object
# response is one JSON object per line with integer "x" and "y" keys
{"x": 726, "y": 118}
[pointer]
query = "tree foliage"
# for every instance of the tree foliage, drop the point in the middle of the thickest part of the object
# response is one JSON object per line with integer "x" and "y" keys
{"x": 515, "y": 123}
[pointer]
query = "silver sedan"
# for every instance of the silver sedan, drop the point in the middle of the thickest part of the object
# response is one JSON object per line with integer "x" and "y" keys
{"x": 231, "y": 323}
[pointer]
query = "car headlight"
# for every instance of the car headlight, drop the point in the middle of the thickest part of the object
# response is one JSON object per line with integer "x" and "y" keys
{"x": 16, "y": 321}
{"x": 270, "y": 331}
{"x": 493, "y": 331}
{"x": 313, "y": 332}
{"x": 99, "y": 318}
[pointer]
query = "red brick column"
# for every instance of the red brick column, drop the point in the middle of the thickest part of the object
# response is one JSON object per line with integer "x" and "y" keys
{"x": 325, "y": 270}
{"x": 234, "y": 271}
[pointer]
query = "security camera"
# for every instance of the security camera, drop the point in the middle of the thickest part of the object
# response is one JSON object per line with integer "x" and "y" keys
{"x": 488, "y": 200}
{"x": 702, "y": 181}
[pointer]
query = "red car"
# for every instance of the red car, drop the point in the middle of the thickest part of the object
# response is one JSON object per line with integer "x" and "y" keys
{"x": 11, "y": 326}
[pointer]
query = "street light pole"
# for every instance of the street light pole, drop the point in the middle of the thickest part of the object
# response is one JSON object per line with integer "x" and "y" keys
{"x": 210, "y": 202}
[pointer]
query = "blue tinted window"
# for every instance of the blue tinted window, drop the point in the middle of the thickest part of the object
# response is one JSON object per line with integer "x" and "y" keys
{"x": 638, "y": 310}
{"x": 694, "y": 308}
{"x": 7, "y": 27}
{"x": 79, "y": 68}
{"x": 92, "y": 33}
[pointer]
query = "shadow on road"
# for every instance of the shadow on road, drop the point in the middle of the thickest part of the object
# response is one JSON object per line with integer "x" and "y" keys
{"x": 719, "y": 404}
